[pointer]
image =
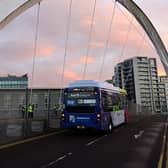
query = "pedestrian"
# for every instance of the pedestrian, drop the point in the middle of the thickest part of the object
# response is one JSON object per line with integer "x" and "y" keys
{"x": 56, "y": 109}
{"x": 23, "y": 111}
{"x": 30, "y": 111}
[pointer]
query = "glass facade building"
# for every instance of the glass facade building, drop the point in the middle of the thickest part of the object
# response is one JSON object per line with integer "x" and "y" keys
{"x": 14, "y": 82}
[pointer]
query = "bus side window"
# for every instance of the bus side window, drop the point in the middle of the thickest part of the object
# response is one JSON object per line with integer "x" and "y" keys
{"x": 121, "y": 102}
{"x": 115, "y": 102}
{"x": 106, "y": 101}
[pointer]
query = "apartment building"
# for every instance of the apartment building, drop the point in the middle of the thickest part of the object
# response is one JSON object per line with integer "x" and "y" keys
{"x": 139, "y": 76}
{"x": 163, "y": 90}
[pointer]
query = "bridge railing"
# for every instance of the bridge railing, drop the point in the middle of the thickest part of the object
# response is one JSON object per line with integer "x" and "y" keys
{"x": 16, "y": 124}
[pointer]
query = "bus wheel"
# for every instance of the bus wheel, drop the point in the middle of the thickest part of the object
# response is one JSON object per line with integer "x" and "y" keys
{"x": 110, "y": 126}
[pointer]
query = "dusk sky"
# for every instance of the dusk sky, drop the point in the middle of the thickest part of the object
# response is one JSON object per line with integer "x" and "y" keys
{"x": 17, "y": 40}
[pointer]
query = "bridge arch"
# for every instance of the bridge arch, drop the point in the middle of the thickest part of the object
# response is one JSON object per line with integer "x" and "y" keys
{"x": 149, "y": 28}
{"x": 130, "y": 5}
{"x": 20, "y": 7}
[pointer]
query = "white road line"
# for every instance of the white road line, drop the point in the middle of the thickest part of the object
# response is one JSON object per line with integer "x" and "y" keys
{"x": 94, "y": 141}
{"x": 136, "y": 136}
{"x": 60, "y": 158}
{"x": 57, "y": 160}
{"x": 70, "y": 153}
{"x": 51, "y": 163}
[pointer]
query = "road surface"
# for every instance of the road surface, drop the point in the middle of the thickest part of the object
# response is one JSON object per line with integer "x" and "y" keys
{"x": 134, "y": 145}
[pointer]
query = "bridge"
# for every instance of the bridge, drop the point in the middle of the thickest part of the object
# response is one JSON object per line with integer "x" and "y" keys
{"x": 39, "y": 142}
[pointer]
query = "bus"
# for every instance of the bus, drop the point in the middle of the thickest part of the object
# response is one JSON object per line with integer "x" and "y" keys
{"x": 93, "y": 104}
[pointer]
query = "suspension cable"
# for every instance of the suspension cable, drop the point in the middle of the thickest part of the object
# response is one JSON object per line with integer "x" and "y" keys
{"x": 130, "y": 70}
{"x": 35, "y": 50}
{"x": 141, "y": 34}
{"x": 125, "y": 42}
{"x": 141, "y": 45}
{"x": 126, "y": 39}
{"x": 138, "y": 51}
{"x": 107, "y": 41}
{"x": 65, "y": 51}
{"x": 90, "y": 33}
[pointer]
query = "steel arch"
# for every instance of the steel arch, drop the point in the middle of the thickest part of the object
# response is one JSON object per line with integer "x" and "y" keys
{"x": 131, "y": 6}
{"x": 149, "y": 28}
{"x": 15, "y": 12}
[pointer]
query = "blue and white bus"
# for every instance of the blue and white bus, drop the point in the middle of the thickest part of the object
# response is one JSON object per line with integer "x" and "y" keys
{"x": 93, "y": 104}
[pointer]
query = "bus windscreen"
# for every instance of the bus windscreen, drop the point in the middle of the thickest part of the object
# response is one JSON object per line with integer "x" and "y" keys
{"x": 80, "y": 99}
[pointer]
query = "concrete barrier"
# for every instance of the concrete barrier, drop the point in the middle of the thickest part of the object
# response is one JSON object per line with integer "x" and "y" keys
{"x": 37, "y": 126}
{"x": 54, "y": 123}
{"x": 14, "y": 130}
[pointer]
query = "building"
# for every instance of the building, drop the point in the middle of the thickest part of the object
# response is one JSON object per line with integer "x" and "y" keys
{"x": 163, "y": 85}
{"x": 118, "y": 79}
{"x": 139, "y": 77}
{"x": 14, "y": 82}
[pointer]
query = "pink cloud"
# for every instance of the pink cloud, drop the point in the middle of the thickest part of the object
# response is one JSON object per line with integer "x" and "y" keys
{"x": 81, "y": 60}
{"x": 161, "y": 71}
{"x": 87, "y": 20}
{"x": 89, "y": 60}
{"x": 97, "y": 44}
{"x": 47, "y": 50}
{"x": 71, "y": 75}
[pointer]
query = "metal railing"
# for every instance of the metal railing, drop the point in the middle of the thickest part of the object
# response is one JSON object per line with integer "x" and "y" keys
{"x": 15, "y": 122}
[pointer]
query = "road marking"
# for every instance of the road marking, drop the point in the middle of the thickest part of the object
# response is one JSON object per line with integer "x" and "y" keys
{"x": 136, "y": 136}
{"x": 57, "y": 160}
{"x": 94, "y": 141}
{"x": 54, "y": 162}
{"x": 70, "y": 153}
{"x": 31, "y": 139}
{"x": 160, "y": 163}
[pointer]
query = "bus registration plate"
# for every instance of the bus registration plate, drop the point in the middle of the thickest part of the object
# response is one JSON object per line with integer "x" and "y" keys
{"x": 80, "y": 127}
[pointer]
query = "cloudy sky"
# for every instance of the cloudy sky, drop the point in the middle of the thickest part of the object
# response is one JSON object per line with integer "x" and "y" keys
{"x": 17, "y": 40}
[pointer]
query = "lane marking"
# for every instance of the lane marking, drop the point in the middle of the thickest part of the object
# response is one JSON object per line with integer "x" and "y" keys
{"x": 54, "y": 162}
{"x": 160, "y": 162}
{"x": 94, "y": 141}
{"x": 70, "y": 153}
{"x": 136, "y": 136}
{"x": 31, "y": 139}
{"x": 57, "y": 160}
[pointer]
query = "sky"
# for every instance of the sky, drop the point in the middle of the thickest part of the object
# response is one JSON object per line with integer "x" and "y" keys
{"x": 17, "y": 40}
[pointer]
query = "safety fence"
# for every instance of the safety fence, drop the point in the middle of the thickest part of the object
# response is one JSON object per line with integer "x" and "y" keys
{"x": 15, "y": 122}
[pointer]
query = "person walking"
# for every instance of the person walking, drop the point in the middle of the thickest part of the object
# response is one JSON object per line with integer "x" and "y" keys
{"x": 30, "y": 111}
{"x": 23, "y": 111}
